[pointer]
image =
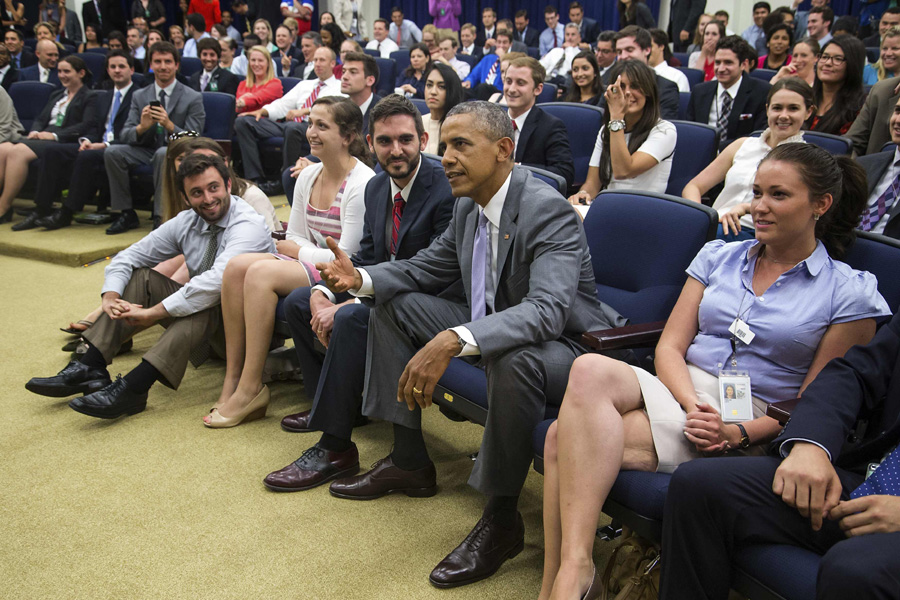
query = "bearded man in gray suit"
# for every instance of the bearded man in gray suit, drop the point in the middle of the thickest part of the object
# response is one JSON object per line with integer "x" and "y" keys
{"x": 510, "y": 284}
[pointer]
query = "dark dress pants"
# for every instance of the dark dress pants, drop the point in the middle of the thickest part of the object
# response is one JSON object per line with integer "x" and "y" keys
{"x": 249, "y": 133}
{"x": 337, "y": 379}
{"x": 295, "y": 144}
{"x": 83, "y": 171}
{"x": 715, "y": 506}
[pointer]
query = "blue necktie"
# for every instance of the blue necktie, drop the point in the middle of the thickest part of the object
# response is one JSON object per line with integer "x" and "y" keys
{"x": 884, "y": 481}
{"x": 885, "y": 201}
{"x": 480, "y": 266}
{"x": 117, "y": 101}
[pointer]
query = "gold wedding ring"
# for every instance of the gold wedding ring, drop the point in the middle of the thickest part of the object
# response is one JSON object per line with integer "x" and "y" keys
{"x": 416, "y": 390}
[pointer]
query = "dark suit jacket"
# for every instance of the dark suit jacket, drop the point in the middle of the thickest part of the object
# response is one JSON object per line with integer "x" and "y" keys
{"x": 279, "y": 68}
{"x": 544, "y": 143}
{"x": 478, "y": 52}
{"x": 875, "y": 166}
{"x": 668, "y": 96}
{"x": 102, "y": 104}
{"x": 27, "y": 59}
{"x": 425, "y": 216}
{"x": 33, "y": 73}
{"x": 221, "y": 80}
{"x": 748, "y": 111}
{"x": 864, "y": 383}
{"x": 481, "y": 35}
{"x": 683, "y": 16}
{"x": 78, "y": 119}
{"x": 589, "y": 30}
{"x": 871, "y": 129}
{"x": 545, "y": 281}
{"x": 532, "y": 37}
{"x": 112, "y": 16}
{"x": 297, "y": 71}
{"x": 12, "y": 76}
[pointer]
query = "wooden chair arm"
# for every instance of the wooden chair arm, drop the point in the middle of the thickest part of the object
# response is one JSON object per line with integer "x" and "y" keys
{"x": 622, "y": 338}
{"x": 781, "y": 411}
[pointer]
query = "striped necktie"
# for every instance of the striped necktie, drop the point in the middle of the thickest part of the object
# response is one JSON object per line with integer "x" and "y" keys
{"x": 396, "y": 215}
{"x": 309, "y": 101}
{"x": 492, "y": 73}
{"x": 722, "y": 121}
{"x": 885, "y": 201}
{"x": 200, "y": 353}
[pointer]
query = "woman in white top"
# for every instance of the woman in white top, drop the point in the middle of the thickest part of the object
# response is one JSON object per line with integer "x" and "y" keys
{"x": 328, "y": 202}
{"x": 443, "y": 91}
{"x": 634, "y": 147}
{"x": 789, "y": 104}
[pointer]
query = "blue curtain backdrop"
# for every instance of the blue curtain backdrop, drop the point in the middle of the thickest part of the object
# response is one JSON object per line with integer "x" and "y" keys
{"x": 604, "y": 12}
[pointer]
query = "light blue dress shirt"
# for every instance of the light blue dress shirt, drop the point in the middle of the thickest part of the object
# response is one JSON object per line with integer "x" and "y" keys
{"x": 546, "y": 39}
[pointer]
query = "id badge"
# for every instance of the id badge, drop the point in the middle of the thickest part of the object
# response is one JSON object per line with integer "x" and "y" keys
{"x": 59, "y": 119}
{"x": 734, "y": 396}
{"x": 741, "y": 331}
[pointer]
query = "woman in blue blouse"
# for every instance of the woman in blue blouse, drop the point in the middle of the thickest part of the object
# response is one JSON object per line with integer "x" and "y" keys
{"x": 411, "y": 81}
{"x": 803, "y": 307}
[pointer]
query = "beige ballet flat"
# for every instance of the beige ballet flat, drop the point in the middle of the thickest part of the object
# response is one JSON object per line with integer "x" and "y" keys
{"x": 255, "y": 410}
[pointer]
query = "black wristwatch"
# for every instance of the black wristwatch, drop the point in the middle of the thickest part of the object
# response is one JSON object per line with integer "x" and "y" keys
{"x": 745, "y": 439}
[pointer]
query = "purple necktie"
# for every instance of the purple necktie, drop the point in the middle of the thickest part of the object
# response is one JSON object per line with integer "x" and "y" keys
{"x": 479, "y": 264}
{"x": 872, "y": 215}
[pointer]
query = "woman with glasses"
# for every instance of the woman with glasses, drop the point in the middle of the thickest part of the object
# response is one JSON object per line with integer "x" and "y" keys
{"x": 838, "y": 89}
{"x": 888, "y": 63}
{"x": 803, "y": 62}
{"x": 705, "y": 58}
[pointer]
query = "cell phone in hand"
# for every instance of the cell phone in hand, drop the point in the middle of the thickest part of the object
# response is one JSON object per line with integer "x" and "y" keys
{"x": 155, "y": 104}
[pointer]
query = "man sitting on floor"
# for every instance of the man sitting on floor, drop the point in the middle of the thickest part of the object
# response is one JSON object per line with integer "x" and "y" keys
{"x": 135, "y": 297}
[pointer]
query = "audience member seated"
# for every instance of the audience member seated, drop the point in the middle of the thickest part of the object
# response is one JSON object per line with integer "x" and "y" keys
{"x": 67, "y": 116}
{"x": 260, "y": 86}
{"x": 883, "y": 175}
{"x": 788, "y": 106}
{"x": 176, "y": 37}
{"x": 277, "y": 118}
{"x": 92, "y": 38}
{"x": 526, "y": 343}
{"x": 606, "y": 51}
{"x": 778, "y": 44}
{"x": 328, "y": 202}
{"x": 443, "y": 91}
{"x": 195, "y": 30}
{"x": 755, "y": 35}
{"x": 889, "y": 18}
{"x": 288, "y": 56}
{"x": 467, "y": 45}
{"x": 820, "y": 503}
{"x": 554, "y": 35}
{"x": 153, "y": 36}
{"x": 135, "y": 40}
{"x": 488, "y": 29}
{"x": 263, "y": 29}
{"x": 539, "y": 139}
{"x": 818, "y": 24}
{"x": 659, "y": 60}
{"x": 44, "y": 70}
{"x": 212, "y": 78}
{"x": 615, "y": 416}
{"x": 704, "y": 59}
{"x": 697, "y": 42}
{"x": 8, "y": 73}
{"x": 21, "y": 56}
{"x": 634, "y": 43}
{"x": 448, "y": 47}
{"x": 78, "y": 165}
{"x": 803, "y": 62}
{"x": 430, "y": 35}
{"x": 158, "y": 110}
{"x": 498, "y": 97}
{"x": 333, "y": 37}
{"x": 411, "y": 81}
{"x": 839, "y": 88}
{"x": 10, "y": 130}
{"x": 558, "y": 62}
{"x": 403, "y": 31}
{"x": 735, "y": 105}
{"x": 382, "y": 43}
{"x": 485, "y": 78}
{"x": 309, "y": 43}
{"x": 635, "y": 12}
{"x": 586, "y": 87}
{"x": 845, "y": 25}
{"x": 888, "y": 63}
{"x": 588, "y": 28}
{"x": 117, "y": 41}
{"x": 135, "y": 297}
{"x": 640, "y": 158}
{"x": 529, "y": 36}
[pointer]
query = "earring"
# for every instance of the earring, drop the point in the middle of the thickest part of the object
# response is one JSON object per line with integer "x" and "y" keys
{"x": 816, "y": 216}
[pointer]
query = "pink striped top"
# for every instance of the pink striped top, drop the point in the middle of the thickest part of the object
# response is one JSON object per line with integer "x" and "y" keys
{"x": 328, "y": 221}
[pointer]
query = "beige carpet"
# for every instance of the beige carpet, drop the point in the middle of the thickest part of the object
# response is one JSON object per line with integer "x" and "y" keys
{"x": 157, "y": 506}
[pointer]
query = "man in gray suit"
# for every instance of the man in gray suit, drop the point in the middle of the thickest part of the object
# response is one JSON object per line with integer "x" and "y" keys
{"x": 518, "y": 252}
{"x": 870, "y": 131}
{"x": 883, "y": 176}
{"x": 157, "y": 111}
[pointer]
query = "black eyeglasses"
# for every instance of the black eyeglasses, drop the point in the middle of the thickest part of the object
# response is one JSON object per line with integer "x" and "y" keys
{"x": 838, "y": 60}
{"x": 182, "y": 134}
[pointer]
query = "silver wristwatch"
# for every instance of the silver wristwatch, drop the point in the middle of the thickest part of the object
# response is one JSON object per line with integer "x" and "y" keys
{"x": 617, "y": 125}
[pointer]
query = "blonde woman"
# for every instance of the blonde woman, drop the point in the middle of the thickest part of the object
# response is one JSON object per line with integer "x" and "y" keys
{"x": 888, "y": 63}
{"x": 261, "y": 85}
{"x": 262, "y": 28}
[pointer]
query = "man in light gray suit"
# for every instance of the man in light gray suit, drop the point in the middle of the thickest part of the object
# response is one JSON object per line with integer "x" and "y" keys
{"x": 157, "y": 111}
{"x": 509, "y": 228}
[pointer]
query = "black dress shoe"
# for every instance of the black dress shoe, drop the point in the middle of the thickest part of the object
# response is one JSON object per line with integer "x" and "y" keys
{"x": 480, "y": 555}
{"x": 314, "y": 467}
{"x": 385, "y": 478}
{"x": 271, "y": 188}
{"x": 29, "y": 222}
{"x": 76, "y": 378}
{"x": 299, "y": 422}
{"x": 111, "y": 402}
{"x": 59, "y": 219}
{"x": 126, "y": 221}
{"x": 157, "y": 221}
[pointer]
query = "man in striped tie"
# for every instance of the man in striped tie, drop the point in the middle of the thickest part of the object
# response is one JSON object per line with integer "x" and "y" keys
{"x": 275, "y": 119}
{"x": 883, "y": 174}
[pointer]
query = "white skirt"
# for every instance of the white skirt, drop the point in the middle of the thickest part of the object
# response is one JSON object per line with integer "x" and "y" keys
{"x": 667, "y": 417}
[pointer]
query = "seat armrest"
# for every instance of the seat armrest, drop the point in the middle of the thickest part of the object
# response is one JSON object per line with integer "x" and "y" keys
{"x": 781, "y": 411}
{"x": 621, "y": 338}
{"x": 279, "y": 235}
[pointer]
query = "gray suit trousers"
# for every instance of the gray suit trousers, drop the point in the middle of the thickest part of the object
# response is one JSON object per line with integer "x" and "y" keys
{"x": 171, "y": 352}
{"x": 520, "y": 384}
{"x": 119, "y": 158}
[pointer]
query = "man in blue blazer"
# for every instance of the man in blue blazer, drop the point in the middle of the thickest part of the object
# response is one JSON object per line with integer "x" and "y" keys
{"x": 45, "y": 69}
{"x": 335, "y": 381}
{"x": 714, "y": 508}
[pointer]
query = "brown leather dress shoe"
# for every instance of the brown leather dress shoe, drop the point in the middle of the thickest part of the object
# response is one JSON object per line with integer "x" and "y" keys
{"x": 314, "y": 467}
{"x": 480, "y": 555}
{"x": 299, "y": 422}
{"x": 385, "y": 478}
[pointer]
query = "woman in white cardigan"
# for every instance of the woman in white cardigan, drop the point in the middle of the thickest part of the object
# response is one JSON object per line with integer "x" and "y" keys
{"x": 328, "y": 202}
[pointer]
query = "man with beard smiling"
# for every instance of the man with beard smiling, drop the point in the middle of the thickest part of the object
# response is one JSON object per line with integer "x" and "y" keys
{"x": 217, "y": 227}
{"x": 407, "y": 206}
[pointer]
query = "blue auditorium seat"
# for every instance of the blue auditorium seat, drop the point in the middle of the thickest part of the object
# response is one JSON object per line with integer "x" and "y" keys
{"x": 763, "y": 74}
{"x": 190, "y": 65}
{"x": 694, "y": 76}
{"x": 288, "y": 83}
{"x": 219, "y": 123}
{"x": 557, "y": 182}
{"x": 96, "y": 64}
{"x": 583, "y": 123}
{"x": 401, "y": 60}
{"x": 421, "y": 105}
{"x": 29, "y": 99}
{"x": 548, "y": 94}
{"x": 695, "y": 148}
{"x": 387, "y": 76}
{"x": 684, "y": 101}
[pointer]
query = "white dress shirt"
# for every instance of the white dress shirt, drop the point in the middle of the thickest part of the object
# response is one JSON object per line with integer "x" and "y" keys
{"x": 295, "y": 98}
{"x": 673, "y": 75}
{"x": 44, "y": 74}
{"x": 517, "y": 130}
{"x": 110, "y": 116}
{"x": 190, "y": 46}
{"x": 715, "y": 107}
{"x": 470, "y": 50}
{"x": 243, "y": 231}
{"x": 552, "y": 58}
{"x": 385, "y": 47}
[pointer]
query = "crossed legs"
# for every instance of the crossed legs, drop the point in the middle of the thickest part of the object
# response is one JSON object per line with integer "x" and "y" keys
{"x": 255, "y": 281}
{"x": 601, "y": 429}
{"x": 14, "y": 161}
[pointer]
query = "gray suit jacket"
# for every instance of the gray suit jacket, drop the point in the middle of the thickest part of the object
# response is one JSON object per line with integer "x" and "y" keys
{"x": 545, "y": 290}
{"x": 871, "y": 130}
{"x": 185, "y": 108}
{"x": 875, "y": 166}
